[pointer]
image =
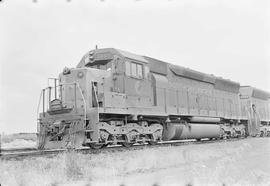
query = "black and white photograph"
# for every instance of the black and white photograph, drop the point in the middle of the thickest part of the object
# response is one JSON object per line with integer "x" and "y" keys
{"x": 134, "y": 92}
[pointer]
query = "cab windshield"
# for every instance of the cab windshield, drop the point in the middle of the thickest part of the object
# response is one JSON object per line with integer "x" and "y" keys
{"x": 102, "y": 65}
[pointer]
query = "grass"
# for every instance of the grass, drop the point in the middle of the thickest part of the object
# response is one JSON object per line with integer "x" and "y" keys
{"x": 204, "y": 164}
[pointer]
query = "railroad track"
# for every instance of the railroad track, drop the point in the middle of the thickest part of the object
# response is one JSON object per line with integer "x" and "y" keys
{"x": 21, "y": 154}
{"x": 10, "y": 150}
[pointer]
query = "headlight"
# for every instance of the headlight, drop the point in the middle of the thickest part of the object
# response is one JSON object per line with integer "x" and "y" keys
{"x": 80, "y": 75}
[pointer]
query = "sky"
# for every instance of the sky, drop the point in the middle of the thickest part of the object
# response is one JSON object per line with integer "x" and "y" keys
{"x": 227, "y": 38}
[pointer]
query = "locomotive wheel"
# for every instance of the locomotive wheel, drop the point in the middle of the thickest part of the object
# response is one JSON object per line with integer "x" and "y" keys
{"x": 105, "y": 145}
{"x": 152, "y": 142}
{"x": 126, "y": 144}
{"x": 96, "y": 146}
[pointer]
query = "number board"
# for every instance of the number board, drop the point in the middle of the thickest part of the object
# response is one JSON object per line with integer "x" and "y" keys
{"x": 103, "y": 56}
{"x": 244, "y": 97}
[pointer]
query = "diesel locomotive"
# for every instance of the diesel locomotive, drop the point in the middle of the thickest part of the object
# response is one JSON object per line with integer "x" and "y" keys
{"x": 117, "y": 97}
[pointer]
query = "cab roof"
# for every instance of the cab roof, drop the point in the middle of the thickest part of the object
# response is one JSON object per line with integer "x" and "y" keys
{"x": 160, "y": 67}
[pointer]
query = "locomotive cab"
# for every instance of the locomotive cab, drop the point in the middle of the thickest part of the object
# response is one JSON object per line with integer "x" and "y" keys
{"x": 129, "y": 82}
{"x": 107, "y": 83}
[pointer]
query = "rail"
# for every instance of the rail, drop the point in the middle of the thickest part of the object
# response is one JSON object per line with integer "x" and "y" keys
{"x": 29, "y": 153}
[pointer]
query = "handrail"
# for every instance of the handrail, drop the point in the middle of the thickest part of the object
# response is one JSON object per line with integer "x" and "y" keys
{"x": 61, "y": 85}
{"x": 38, "y": 127}
{"x": 52, "y": 78}
{"x": 96, "y": 97}
{"x": 83, "y": 102}
{"x": 41, "y": 92}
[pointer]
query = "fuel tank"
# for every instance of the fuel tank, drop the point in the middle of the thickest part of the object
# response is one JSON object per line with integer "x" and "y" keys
{"x": 177, "y": 131}
{"x": 172, "y": 131}
{"x": 198, "y": 119}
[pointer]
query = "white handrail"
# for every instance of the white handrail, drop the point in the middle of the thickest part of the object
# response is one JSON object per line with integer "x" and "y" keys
{"x": 95, "y": 92}
{"x": 84, "y": 102}
{"x": 39, "y": 104}
{"x": 81, "y": 93}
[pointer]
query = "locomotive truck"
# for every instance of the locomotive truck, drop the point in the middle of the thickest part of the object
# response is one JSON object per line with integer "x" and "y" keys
{"x": 117, "y": 97}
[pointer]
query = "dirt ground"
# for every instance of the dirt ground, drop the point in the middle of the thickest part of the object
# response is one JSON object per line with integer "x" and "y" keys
{"x": 243, "y": 162}
{"x": 18, "y": 140}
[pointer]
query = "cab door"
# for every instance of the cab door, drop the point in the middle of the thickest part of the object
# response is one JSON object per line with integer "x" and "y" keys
{"x": 137, "y": 84}
{"x": 118, "y": 77}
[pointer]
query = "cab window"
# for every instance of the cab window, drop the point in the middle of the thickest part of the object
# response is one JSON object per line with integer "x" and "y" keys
{"x": 134, "y": 70}
{"x": 100, "y": 65}
{"x": 139, "y": 71}
{"x": 128, "y": 68}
